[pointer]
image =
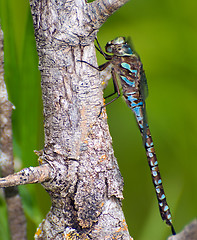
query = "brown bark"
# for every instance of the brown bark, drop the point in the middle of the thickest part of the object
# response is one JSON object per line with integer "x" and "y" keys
{"x": 86, "y": 191}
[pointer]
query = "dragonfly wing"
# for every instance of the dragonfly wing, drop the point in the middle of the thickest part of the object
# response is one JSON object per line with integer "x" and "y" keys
{"x": 143, "y": 85}
{"x": 144, "y": 94}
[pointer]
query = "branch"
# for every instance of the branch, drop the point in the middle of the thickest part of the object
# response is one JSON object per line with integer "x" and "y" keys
{"x": 16, "y": 218}
{"x": 102, "y": 9}
{"x": 29, "y": 175}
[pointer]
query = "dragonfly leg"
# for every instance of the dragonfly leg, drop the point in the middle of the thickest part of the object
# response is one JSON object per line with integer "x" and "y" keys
{"x": 115, "y": 82}
{"x": 116, "y": 90}
{"x": 99, "y": 68}
{"x": 106, "y": 56}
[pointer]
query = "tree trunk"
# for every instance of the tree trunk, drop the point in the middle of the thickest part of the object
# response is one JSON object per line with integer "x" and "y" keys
{"x": 85, "y": 185}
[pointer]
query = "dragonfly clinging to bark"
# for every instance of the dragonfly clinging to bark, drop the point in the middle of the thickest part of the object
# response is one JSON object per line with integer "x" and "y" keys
{"x": 127, "y": 67}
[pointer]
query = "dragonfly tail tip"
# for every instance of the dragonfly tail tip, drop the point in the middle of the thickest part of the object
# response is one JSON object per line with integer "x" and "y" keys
{"x": 173, "y": 230}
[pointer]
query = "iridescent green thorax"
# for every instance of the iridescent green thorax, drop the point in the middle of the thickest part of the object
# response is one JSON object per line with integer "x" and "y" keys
{"x": 119, "y": 47}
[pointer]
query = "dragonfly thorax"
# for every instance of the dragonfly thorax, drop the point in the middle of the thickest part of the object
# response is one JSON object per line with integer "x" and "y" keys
{"x": 118, "y": 47}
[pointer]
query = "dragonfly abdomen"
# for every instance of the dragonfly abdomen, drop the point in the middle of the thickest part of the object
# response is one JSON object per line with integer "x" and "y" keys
{"x": 136, "y": 104}
{"x": 153, "y": 164}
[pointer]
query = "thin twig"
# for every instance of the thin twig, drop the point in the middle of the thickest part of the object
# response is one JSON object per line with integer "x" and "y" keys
{"x": 27, "y": 176}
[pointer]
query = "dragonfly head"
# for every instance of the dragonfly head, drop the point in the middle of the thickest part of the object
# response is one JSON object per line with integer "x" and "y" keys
{"x": 118, "y": 47}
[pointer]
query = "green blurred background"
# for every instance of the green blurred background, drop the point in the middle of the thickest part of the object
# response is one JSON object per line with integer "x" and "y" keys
{"x": 164, "y": 34}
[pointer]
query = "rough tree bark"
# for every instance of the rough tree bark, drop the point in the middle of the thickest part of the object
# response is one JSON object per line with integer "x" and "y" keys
{"x": 77, "y": 165}
{"x": 86, "y": 185}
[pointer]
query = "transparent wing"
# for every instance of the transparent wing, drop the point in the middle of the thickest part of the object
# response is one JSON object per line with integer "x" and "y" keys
{"x": 143, "y": 86}
{"x": 144, "y": 95}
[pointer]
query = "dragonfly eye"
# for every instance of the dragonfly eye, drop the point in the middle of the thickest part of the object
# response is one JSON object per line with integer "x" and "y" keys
{"x": 108, "y": 48}
{"x": 118, "y": 40}
{"x": 127, "y": 50}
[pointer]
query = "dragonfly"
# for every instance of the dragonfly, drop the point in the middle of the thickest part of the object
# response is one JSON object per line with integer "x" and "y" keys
{"x": 127, "y": 67}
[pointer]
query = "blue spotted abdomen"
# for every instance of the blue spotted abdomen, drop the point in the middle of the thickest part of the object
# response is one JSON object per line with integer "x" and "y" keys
{"x": 153, "y": 164}
{"x": 137, "y": 106}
